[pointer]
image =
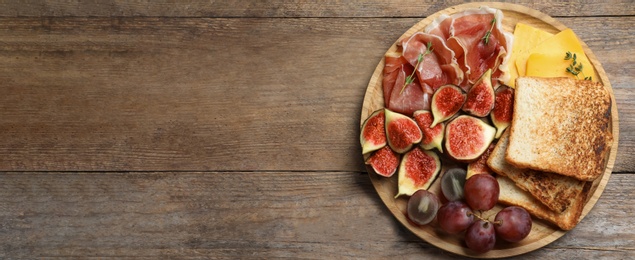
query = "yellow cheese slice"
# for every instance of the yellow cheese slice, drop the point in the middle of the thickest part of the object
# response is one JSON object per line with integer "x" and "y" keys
{"x": 525, "y": 39}
{"x": 547, "y": 66}
{"x": 547, "y": 59}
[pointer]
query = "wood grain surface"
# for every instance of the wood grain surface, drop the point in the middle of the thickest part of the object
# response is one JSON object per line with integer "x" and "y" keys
{"x": 291, "y": 8}
{"x": 246, "y": 214}
{"x": 212, "y": 94}
{"x": 230, "y": 130}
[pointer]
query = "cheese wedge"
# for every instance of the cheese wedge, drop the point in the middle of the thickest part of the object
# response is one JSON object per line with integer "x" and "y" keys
{"x": 548, "y": 58}
{"x": 553, "y": 65}
{"x": 525, "y": 39}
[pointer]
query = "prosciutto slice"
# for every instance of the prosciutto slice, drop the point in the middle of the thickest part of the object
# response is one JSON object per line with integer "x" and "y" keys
{"x": 440, "y": 26}
{"x": 475, "y": 55}
{"x": 459, "y": 56}
{"x": 406, "y": 100}
{"x": 392, "y": 67}
{"x": 437, "y": 68}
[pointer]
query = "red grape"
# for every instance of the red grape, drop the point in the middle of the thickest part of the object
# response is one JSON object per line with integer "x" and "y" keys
{"x": 452, "y": 184}
{"x": 480, "y": 236}
{"x": 454, "y": 217}
{"x": 513, "y": 223}
{"x": 481, "y": 192}
{"x": 422, "y": 207}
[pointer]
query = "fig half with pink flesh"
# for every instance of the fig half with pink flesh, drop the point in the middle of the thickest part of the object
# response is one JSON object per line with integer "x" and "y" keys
{"x": 402, "y": 132}
{"x": 384, "y": 161}
{"x": 503, "y": 109}
{"x": 446, "y": 102}
{"x": 417, "y": 171}
{"x": 480, "y": 165}
{"x": 467, "y": 138}
{"x": 432, "y": 136}
{"x": 480, "y": 98}
{"x": 373, "y": 136}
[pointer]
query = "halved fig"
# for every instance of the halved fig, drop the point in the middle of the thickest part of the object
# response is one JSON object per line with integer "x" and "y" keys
{"x": 503, "y": 109}
{"x": 480, "y": 98}
{"x": 373, "y": 136}
{"x": 401, "y": 131}
{"x": 467, "y": 138}
{"x": 384, "y": 161}
{"x": 432, "y": 136}
{"x": 446, "y": 102}
{"x": 480, "y": 165}
{"x": 417, "y": 171}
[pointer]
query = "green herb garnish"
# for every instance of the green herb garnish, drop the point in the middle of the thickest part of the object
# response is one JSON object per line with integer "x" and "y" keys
{"x": 411, "y": 78}
{"x": 489, "y": 32}
{"x": 575, "y": 68}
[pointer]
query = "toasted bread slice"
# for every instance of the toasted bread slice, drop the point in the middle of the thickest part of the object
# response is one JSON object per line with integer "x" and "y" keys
{"x": 510, "y": 194}
{"x": 560, "y": 125}
{"x": 555, "y": 191}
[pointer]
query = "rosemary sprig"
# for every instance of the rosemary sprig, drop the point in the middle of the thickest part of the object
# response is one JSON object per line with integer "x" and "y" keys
{"x": 411, "y": 78}
{"x": 575, "y": 68}
{"x": 489, "y": 32}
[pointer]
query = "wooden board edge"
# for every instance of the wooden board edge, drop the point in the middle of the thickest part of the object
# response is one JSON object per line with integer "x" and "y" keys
{"x": 599, "y": 184}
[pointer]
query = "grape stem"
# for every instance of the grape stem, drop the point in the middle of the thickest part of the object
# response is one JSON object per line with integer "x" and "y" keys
{"x": 479, "y": 216}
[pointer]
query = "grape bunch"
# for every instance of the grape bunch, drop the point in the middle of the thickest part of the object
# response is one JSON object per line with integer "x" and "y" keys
{"x": 466, "y": 201}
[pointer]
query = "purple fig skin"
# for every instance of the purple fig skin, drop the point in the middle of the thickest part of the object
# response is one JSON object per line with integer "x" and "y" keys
{"x": 373, "y": 132}
{"x": 446, "y": 102}
{"x": 480, "y": 165}
{"x": 480, "y": 98}
{"x": 418, "y": 170}
{"x": 432, "y": 136}
{"x": 384, "y": 162}
{"x": 467, "y": 138}
{"x": 402, "y": 132}
{"x": 503, "y": 110}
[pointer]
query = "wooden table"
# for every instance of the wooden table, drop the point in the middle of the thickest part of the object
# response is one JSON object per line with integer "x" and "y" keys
{"x": 230, "y": 129}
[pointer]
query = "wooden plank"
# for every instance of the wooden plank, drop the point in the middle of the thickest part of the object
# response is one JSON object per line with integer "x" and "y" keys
{"x": 241, "y": 214}
{"x": 108, "y": 94}
{"x": 330, "y": 8}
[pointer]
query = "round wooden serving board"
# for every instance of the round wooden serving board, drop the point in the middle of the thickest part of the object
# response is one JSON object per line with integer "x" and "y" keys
{"x": 542, "y": 233}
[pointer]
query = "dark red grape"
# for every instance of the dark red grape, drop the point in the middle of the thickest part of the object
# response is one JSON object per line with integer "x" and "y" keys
{"x": 481, "y": 192}
{"x": 422, "y": 207}
{"x": 513, "y": 223}
{"x": 452, "y": 184}
{"x": 454, "y": 217}
{"x": 480, "y": 236}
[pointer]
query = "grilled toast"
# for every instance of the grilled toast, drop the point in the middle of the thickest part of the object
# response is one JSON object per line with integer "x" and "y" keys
{"x": 510, "y": 194}
{"x": 560, "y": 125}
{"x": 555, "y": 191}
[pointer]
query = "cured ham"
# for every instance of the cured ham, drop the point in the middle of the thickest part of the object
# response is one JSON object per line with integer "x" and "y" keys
{"x": 459, "y": 55}
{"x": 406, "y": 100}
{"x": 440, "y": 26}
{"x": 476, "y": 54}
{"x": 392, "y": 67}
{"x": 398, "y": 96}
{"x": 437, "y": 68}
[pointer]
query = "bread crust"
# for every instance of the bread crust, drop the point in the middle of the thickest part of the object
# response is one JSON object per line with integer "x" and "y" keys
{"x": 555, "y": 191}
{"x": 560, "y": 125}
{"x": 510, "y": 194}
